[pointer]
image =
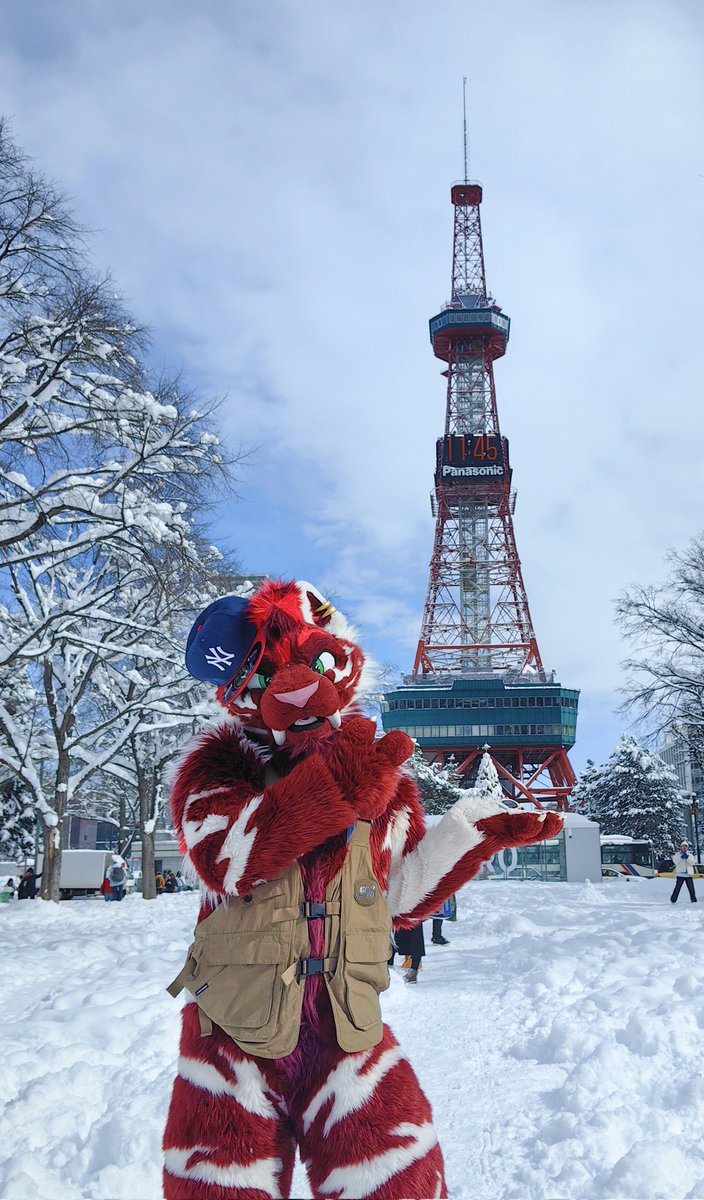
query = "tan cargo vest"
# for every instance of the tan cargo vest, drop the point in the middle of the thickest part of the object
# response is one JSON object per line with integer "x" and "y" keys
{"x": 247, "y": 965}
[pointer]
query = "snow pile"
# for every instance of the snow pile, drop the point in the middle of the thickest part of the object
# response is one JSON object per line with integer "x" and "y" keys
{"x": 557, "y": 1037}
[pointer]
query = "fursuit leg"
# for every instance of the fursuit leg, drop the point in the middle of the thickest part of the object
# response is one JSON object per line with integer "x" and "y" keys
{"x": 227, "y": 1135}
{"x": 365, "y": 1129}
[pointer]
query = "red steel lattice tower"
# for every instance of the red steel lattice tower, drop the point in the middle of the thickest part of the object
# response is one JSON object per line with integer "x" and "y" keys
{"x": 476, "y": 609}
{"x": 477, "y": 647}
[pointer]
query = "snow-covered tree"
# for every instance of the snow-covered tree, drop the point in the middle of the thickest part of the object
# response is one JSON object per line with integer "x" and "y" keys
{"x": 17, "y": 820}
{"x": 111, "y": 686}
{"x": 89, "y": 449}
{"x": 581, "y": 792}
{"x": 633, "y": 794}
{"x": 487, "y": 781}
{"x": 439, "y": 785}
{"x": 665, "y": 623}
{"x": 150, "y": 683}
{"x": 103, "y": 476}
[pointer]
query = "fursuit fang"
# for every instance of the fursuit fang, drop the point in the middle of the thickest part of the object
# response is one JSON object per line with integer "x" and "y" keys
{"x": 308, "y": 837}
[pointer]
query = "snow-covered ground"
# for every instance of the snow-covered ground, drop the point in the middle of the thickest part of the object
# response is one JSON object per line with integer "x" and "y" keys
{"x": 558, "y": 1037}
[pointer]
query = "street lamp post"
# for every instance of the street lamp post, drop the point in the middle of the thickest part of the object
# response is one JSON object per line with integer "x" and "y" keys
{"x": 695, "y": 825}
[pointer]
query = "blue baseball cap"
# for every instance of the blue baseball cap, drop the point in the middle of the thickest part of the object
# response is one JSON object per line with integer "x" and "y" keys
{"x": 224, "y": 646}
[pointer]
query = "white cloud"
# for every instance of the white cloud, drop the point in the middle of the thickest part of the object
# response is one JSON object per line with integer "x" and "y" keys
{"x": 271, "y": 188}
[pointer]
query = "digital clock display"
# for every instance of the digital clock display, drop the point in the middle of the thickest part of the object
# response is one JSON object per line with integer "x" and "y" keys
{"x": 470, "y": 456}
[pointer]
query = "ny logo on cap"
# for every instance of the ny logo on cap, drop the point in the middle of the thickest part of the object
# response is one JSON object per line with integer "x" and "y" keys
{"x": 219, "y": 658}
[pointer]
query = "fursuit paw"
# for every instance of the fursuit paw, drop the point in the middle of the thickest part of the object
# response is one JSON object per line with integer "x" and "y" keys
{"x": 393, "y": 748}
{"x": 366, "y": 770}
{"x": 518, "y": 828}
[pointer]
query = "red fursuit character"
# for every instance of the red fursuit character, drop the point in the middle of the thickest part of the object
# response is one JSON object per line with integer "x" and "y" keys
{"x": 308, "y": 837}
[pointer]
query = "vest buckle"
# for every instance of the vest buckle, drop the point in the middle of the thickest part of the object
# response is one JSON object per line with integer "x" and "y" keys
{"x": 316, "y": 966}
{"x": 311, "y": 966}
{"x": 313, "y": 908}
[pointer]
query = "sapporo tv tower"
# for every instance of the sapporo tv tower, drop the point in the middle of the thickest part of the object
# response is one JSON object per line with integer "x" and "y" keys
{"x": 478, "y": 681}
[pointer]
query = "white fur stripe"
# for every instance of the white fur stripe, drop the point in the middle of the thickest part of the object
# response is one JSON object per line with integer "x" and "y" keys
{"x": 361, "y": 1179}
{"x": 254, "y": 1094}
{"x": 249, "y": 1088}
{"x": 196, "y": 831}
{"x": 341, "y": 673}
{"x": 238, "y": 844}
{"x": 260, "y": 1175}
{"x": 349, "y": 1087}
{"x": 397, "y": 833}
{"x": 441, "y": 847}
{"x": 211, "y": 791}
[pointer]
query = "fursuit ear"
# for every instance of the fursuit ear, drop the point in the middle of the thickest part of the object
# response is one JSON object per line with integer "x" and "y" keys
{"x": 321, "y": 610}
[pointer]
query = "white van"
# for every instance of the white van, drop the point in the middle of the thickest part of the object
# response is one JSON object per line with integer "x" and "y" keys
{"x": 82, "y": 871}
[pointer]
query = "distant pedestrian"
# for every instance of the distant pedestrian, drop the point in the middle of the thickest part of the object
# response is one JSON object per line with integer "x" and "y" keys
{"x": 116, "y": 877}
{"x": 7, "y": 891}
{"x": 27, "y": 889}
{"x": 443, "y": 914}
{"x": 410, "y": 943}
{"x": 159, "y": 879}
{"x": 105, "y": 889}
{"x": 170, "y": 884}
{"x": 685, "y": 863}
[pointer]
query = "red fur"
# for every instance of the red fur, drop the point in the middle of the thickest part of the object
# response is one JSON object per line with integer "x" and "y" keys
{"x": 280, "y": 713}
{"x": 227, "y": 1131}
{"x": 276, "y": 609}
{"x": 293, "y": 815}
{"x": 365, "y": 768}
{"x": 230, "y": 1133}
{"x": 519, "y": 828}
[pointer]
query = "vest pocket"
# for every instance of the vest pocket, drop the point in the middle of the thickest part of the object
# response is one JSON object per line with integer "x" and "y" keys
{"x": 366, "y": 974}
{"x": 240, "y": 971}
{"x": 244, "y": 999}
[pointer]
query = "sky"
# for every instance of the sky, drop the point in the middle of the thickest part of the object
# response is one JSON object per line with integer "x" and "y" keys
{"x": 269, "y": 187}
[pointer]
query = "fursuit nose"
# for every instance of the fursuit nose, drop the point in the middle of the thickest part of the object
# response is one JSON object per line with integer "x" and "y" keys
{"x": 300, "y": 696}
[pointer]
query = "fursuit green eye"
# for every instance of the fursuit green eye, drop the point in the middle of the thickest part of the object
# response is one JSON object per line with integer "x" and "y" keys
{"x": 258, "y": 680}
{"x": 324, "y": 662}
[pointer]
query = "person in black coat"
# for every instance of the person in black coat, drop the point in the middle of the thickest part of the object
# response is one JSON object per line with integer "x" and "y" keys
{"x": 27, "y": 889}
{"x": 410, "y": 943}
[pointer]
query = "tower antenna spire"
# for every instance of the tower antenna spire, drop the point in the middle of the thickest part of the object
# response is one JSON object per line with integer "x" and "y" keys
{"x": 464, "y": 114}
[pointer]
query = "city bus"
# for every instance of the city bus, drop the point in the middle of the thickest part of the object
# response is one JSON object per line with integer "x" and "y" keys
{"x": 621, "y": 855}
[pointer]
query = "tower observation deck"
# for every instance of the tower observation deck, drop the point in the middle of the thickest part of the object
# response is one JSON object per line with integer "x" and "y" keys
{"x": 478, "y": 680}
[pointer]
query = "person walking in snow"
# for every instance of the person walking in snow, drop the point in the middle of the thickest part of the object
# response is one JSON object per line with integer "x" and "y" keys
{"x": 116, "y": 876}
{"x": 685, "y": 863}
